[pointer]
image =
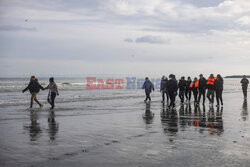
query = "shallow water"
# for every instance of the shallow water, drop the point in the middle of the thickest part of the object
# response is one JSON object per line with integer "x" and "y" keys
{"x": 116, "y": 128}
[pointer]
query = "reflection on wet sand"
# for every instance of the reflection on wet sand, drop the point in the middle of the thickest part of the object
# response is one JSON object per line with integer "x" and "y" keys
{"x": 53, "y": 125}
{"x": 148, "y": 115}
{"x": 169, "y": 120}
{"x": 34, "y": 127}
{"x": 211, "y": 121}
{"x": 244, "y": 113}
{"x": 214, "y": 121}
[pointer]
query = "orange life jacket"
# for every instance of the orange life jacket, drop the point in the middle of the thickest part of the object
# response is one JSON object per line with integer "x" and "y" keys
{"x": 195, "y": 84}
{"x": 210, "y": 81}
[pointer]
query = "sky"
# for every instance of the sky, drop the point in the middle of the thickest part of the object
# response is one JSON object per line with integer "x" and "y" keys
{"x": 124, "y": 37}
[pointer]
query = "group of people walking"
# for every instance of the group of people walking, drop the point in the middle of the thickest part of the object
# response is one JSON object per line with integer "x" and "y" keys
{"x": 200, "y": 88}
{"x": 34, "y": 87}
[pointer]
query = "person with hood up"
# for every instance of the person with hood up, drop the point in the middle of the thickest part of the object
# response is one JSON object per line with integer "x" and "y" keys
{"x": 218, "y": 84}
{"x": 163, "y": 88}
{"x": 172, "y": 86}
{"x": 148, "y": 86}
{"x": 34, "y": 88}
{"x": 53, "y": 91}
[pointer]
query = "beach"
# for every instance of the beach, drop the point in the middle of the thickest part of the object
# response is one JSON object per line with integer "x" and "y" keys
{"x": 115, "y": 127}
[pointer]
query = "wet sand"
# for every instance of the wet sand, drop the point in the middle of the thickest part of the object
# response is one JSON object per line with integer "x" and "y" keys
{"x": 126, "y": 132}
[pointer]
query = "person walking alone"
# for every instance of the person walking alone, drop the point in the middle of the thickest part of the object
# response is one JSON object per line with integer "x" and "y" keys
{"x": 244, "y": 83}
{"x": 148, "y": 86}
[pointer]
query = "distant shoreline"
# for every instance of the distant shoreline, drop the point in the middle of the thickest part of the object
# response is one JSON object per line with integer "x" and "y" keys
{"x": 237, "y": 76}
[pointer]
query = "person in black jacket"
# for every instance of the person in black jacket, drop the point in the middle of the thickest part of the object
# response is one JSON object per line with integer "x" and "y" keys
{"x": 244, "y": 83}
{"x": 172, "y": 89}
{"x": 218, "y": 84}
{"x": 163, "y": 89}
{"x": 202, "y": 88}
{"x": 188, "y": 89}
{"x": 182, "y": 88}
{"x": 34, "y": 88}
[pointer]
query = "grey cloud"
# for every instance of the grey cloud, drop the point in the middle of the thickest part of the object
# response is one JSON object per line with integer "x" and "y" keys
{"x": 152, "y": 40}
{"x": 175, "y": 20}
{"x": 16, "y": 28}
{"x": 129, "y": 40}
{"x": 202, "y": 3}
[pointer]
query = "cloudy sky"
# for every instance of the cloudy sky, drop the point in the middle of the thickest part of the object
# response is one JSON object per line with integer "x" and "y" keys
{"x": 130, "y": 37}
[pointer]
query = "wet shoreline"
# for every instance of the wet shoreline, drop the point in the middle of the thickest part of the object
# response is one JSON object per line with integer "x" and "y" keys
{"x": 126, "y": 132}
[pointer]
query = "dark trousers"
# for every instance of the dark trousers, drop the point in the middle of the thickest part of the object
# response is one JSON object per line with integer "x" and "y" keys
{"x": 188, "y": 94}
{"x": 202, "y": 92}
{"x": 181, "y": 95}
{"x": 51, "y": 99}
{"x": 163, "y": 95}
{"x": 147, "y": 92}
{"x": 219, "y": 97}
{"x": 195, "y": 92}
{"x": 244, "y": 92}
{"x": 172, "y": 96}
{"x": 210, "y": 95}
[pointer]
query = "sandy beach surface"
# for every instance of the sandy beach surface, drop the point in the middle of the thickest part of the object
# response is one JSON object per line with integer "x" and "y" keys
{"x": 116, "y": 128}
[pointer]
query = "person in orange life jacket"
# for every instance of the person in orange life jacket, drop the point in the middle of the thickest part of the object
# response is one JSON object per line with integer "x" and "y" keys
{"x": 195, "y": 86}
{"x": 210, "y": 88}
{"x": 182, "y": 87}
{"x": 163, "y": 88}
{"x": 188, "y": 89}
{"x": 148, "y": 86}
{"x": 172, "y": 86}
{"x": 244, "y": 83}
{"x": 202, "y": 88}
{"x": 218, "y": 84}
